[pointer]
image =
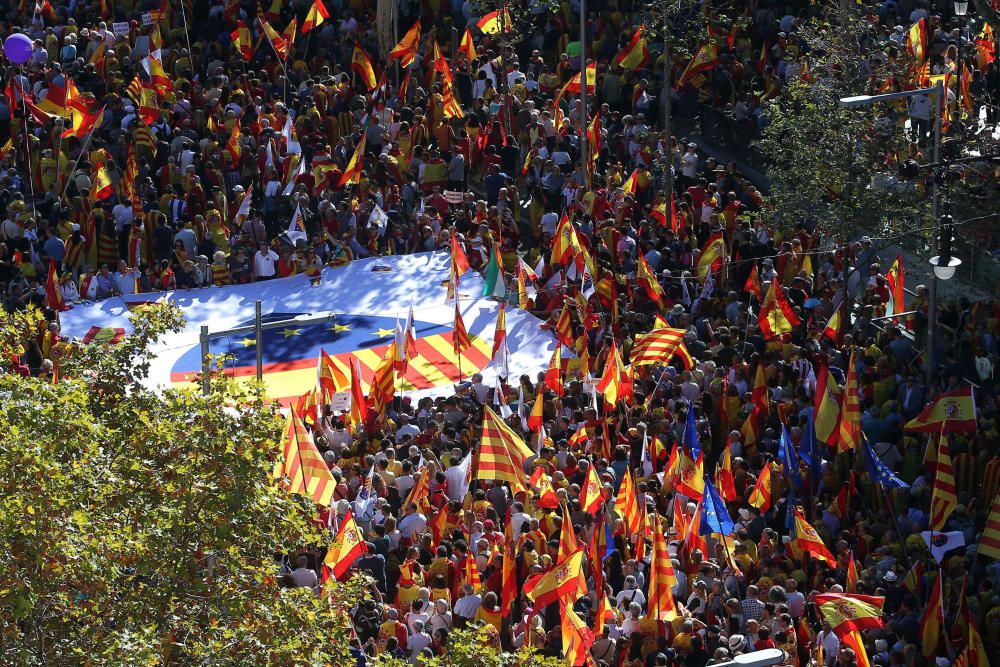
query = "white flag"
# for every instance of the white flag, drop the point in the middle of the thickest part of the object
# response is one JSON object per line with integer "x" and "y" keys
{"x": 458, "y": 478}
{"x": 380, "y": 218}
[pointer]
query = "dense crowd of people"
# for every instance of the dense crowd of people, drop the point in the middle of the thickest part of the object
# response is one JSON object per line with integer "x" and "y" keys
{"x": 210, "y": 156}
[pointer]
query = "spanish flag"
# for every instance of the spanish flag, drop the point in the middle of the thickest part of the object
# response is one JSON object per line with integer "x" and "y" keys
{"x": 575, "y": 83}
{"x": 691, "y": 474}
{"x": 712, "y": 256}
{"x": 894, "y": 280}
{"x": 631, "y": 183}
{"x": 647, "y": 279}
{"x": 348, "y": 545}
{"x": 553, "y": 374}
{"x": 703, "y": 60}
{"x": 932, "y": 619}
{"x": 495, "y": 22}
{"x": 277, "y": 42}
{"x": 851, "y": 578}
{"x": 331, "y": 378}
{"x": 406, "y": 50}
{"x": 760, "y": 497}
{"x": 635, "y": 55}
{"x": 950, "y": 412}
{"x": 233, "y": 146}
{"x": 808, "y": 540}
{"x": 776, "y": 316}
{"x": 832, "y": 328}
{"x": 52, "y": 292}
{"x": 317, "y": 14}
{"x": 241, "y": 40}
{"x": 352, "y": 172}
{"x": 916, "y": 41}
{"x": 616, "y": 383}
{"x": 662, "y": 605}
{"x": 537, "y": 419}
{"x": 101, "y": 188}
{"x": 541, "y": 484}
{"x": 301, "y": 467}
{"x": 577, "y": 638}
{"x": 853, "y": 641}
{"x": 561, "y": 580}
{"x": 592, "y": 495}
{"x": 466, "y": 48}
{"x": 501, "y": 453}
{"x": 361, "y": 64}
{"x": 826, "y": 405}
{"x": 359, "y": 405}
{"x": 849, "y": 613}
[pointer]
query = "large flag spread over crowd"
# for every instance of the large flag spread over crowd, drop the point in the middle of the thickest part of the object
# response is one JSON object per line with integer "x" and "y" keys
{"x": 580, "y": 384}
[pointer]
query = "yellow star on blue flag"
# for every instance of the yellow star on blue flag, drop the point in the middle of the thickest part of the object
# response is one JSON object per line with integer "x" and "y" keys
{"x": 382, "y": 333}
{"x": 292, "y": 332}
{"x": 247, "y": 342}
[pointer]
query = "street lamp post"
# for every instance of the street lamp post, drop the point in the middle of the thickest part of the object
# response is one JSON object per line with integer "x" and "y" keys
{"x": 944, "y": 266}
{"x": 961, "y": 10}
{"x": 938, "y": 92}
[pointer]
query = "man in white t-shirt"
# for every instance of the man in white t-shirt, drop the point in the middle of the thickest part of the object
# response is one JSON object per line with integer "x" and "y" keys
{"x": 303, "y": 576}
{"x": 468, "y": 604}
{"x": 264, "y": 261}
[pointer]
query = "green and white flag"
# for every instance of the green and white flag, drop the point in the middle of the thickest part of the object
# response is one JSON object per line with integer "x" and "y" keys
{"x": 494, "y": 278}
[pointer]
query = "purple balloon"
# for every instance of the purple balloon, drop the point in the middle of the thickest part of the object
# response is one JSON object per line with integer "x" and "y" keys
{"x": 18, "y": 48}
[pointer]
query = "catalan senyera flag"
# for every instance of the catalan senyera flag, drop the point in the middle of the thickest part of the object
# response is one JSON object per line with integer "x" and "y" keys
{"x": 809, "y": 541}
{"x": 989, "y": 545}
{"x": 950, "y": 412}
{"x": 662, "y": 605}
{"x": 495, "y": 22}
{"x": 943, "y": 494}
{"x": 352, "y": 172}
{"x": 849, "y": 613}
{"x": 703, "y": 60}
{"x": 932, "y": 620}
{"x": 916, "y": 41}
{"x": 826, "y": 405}
{"x": 577, "y": 638}
{"x": 616, "y": 383}
{"x": 466, "y": 48}
{"x": 627, "y": 505}
{"x": 406, "y": 49}
{"x": 849, "y": 426}
{"x": 316, "y": 15}
{"x": 501, "y": 453}
{"x": 242, "y": 41}
{"x": 557, "y": 582}
{"x": 301, "y": 464}
{"x": 348, "y": 545}
{"x": 776, "y": 317}
{"x": 635, "y": 55}
{"x": 656, "y": 347}
{"x": 605, "y": 614}
{"x": 760, "y": 497}
{"x": 894, "y": 281}
{"x": 361, "y": 64}
{"x": 712, "y": 256}
{"x": 500, "y": 329}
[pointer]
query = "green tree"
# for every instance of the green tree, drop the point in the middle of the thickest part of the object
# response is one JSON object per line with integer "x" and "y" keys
{"x": 140, "y": 527}
{"x": 826, "y": 163}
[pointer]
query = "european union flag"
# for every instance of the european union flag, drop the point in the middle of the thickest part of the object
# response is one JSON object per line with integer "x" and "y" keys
{"x": 879, "y": 471}
{"x": 789, "y": 458}
{"x": 691, "y": 434}
{"x": 809, "y": 451}
{"x": 715, "y": 516}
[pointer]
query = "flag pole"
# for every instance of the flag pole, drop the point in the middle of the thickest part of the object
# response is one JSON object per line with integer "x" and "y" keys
{"x": 187, "y": 37}
{"x": 27, "y": 145}
{"x": 83, "y": 151}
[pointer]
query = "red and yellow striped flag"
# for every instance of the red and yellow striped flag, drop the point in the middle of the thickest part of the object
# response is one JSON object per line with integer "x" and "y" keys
{"x": 627, "y": 505}
{"x": 662, "y": 605}
{"x": 656, "y": 347}
{"x": 472, "y": 573}
{"x": 348, "y": 545}
{"x": 989, "y": 545}
{"x": 849, "y": 425}
{"x": 301, "y": 467}
{"x": 460, "y": 336}
{"x": 943, "y": 495}
{"x": 501, "y": 453}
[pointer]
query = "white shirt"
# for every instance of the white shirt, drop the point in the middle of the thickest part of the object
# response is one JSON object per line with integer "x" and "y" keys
{"x": 412, "y": 523}
{"x": 305, "y": 578}
{"x": 625, "y": 598}
{"x": 468, "y": 605}
{"x": 418, "y": 642}
{"x": 689, "y": 165}
{"x": 263, "y": 263}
